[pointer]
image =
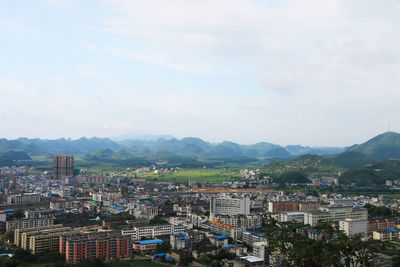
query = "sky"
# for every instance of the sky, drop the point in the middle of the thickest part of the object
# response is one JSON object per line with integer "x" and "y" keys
{"x": 311, "y": 72}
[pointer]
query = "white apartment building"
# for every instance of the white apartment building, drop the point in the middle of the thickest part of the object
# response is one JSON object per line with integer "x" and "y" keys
{"x": 354, "y": 227}
{"x": 229, "y": 206}
{"x": 260, "y": 250}
{"x": 291, "y": 216}
{"x": 28, "y": 223}
{"x": 23, "y": 198}
{"x": 153, "y": 231}
{"x": 240, "y": 221}
{"x": 335, "y": 214}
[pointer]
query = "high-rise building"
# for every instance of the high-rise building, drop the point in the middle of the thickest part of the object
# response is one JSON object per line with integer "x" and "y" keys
{"x": 63, "y": 166}
{"x": 229, "y": 206}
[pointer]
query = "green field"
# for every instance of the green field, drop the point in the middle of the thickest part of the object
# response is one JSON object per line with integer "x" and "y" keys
{"x": 198, "y": 175}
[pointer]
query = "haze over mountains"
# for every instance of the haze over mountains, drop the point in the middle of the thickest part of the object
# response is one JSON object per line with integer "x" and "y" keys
{"x": 379, "y": 148}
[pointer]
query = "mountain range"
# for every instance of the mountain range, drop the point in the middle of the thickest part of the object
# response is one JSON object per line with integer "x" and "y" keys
{"x": 379, "y": 148}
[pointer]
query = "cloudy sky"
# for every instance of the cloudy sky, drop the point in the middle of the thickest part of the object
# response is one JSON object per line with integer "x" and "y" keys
{"x": 289, "y": 72}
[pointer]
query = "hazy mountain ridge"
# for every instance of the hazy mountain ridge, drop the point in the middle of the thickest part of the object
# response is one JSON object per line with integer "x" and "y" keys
{"x": 379, "y": 148}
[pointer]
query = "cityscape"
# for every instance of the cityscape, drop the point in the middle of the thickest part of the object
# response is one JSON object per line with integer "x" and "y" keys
{"x": 199, "y": 133}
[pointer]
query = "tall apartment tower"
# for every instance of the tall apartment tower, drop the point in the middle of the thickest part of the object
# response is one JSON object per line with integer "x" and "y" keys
{"x": 63, "y": 166}
{"x": 229, "y": 206}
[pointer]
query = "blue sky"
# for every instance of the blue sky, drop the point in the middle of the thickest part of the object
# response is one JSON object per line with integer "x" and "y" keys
{"x": 289, "y": 72}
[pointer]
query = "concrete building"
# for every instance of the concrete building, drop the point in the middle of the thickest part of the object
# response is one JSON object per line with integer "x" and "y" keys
{"x": 353, "y": 227}
{"x": 226, "y": 230}
{"x": 229, "y": 206}
{"x": 180, "y": 241}
{"x": 146, "y": 246}
{"x": 291, "y": 216}
{"x": 249, "y": 261}
{"x": 335, "y": 214}
{"x": 90, "y": 246}
{"x": 387, "y": 234}
{"x": 63, "y": 166}
{"x": 28, "y": 223}
{"x": 26, "y": 198}
{"x": 280, "y": 206}
{"x": 260, "y": 250}
{"x": 152, "y": 231}
{"x": 240, "y": 221}
{"x": 379, "y": 225}
{"x": 249, "y": 238}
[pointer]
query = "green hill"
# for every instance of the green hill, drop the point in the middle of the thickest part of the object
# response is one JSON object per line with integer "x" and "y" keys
{"x": 382, "y": 147}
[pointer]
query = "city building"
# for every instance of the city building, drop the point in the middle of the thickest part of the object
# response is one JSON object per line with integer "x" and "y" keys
{"x": 291, "y": 216}
{"x": 249, "y": 261}
{"x": 152, "y": 231}
{"x": 90, "y": 246}
{"x": 335, "y": 214}
{"x": 239, "y": 220}
{"x": 225, "y": 229}
{"x": 229, "y": 206}
{"x": 381, "y": 224}
{"x": 260, "y": 250}
{"x": 28, "y": 223}
{"x": 145, "y": 246}
{"x": 26, "y": 198}
{"x": 279, "y": 206}
{"x": 180, "y": 241}
{"x": 63, "y": 166}
{"x": 387, "y": 234}
{"x": 353, "y": 227}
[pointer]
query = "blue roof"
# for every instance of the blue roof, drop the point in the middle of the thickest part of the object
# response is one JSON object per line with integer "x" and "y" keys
{"x": 148, "y": 242}
{"x": 250, "y": 232}
{"x": 228, "y": 246}
{"x": 220, "y": 236}
{"x": 391, "y": 229}
{"x": 256, "y": 227}
{"x": 313, "y": 232}
{"x": 181, "y": 233}
{"x": 160, "y": 255}
{"x": 170, "y": 258}
{"x": 260, "y": 235}
{"x": 9, "y": 210}
{"x": 183, "y": 238}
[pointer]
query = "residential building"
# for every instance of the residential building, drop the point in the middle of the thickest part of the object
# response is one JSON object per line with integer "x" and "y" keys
{"x": 229, "y": 206}
{"x": 145, "y": 246}
{"x": 63, "y": 166}
{"x": 28, "y": 223}
{"x": 291, "y": 216}
{"x": 26, "y": 198}
{"x": 90, "y": 246}
{"x": 387, "y": 234}
{"x": 180, "y": 241}
{"x": 225, "y": 229}
{"x": 152, "y": 231}
{"x": 280, "y": 206}
{"x": 353, "y": 227}
{"x": 335, "y": 214}
{"x": 249, "y": 261}
{"x": 381, "y": 224}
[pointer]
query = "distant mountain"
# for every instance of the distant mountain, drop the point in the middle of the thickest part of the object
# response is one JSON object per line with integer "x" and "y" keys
{"x": 189, "y": 147}
{"x": 382, "y": 147}
{"x": 38, "y": 146}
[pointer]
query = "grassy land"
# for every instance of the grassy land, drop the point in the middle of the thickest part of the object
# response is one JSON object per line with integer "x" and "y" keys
{"x": 199, "y": 175}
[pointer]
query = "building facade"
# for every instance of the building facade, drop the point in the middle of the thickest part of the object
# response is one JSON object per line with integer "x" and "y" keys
{"x": 63, "y": 166}
{"x": 90, "y": 246}
{"x": 229, "y": 206}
